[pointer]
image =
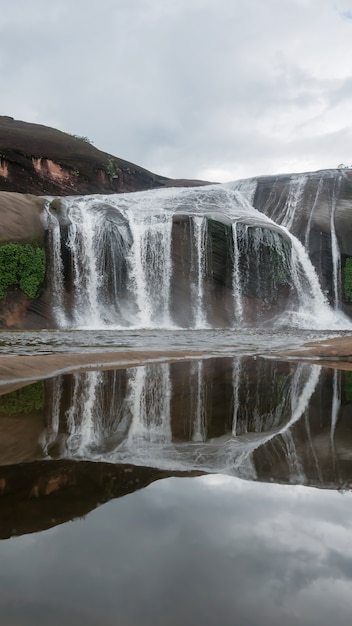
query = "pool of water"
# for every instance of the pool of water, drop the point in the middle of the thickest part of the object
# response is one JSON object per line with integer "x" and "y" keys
{"x": 204, "y": 550}
{"x": 212, "y": 491}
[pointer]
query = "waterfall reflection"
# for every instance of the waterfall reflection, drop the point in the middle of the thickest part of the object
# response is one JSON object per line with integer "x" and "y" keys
{"x": 251, "y": 417}
{"x": 259, "y": 419}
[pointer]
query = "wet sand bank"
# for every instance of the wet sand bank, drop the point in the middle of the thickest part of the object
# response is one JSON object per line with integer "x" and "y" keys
{"x": 18, "y": 370}
{"x": 336, "y": 352}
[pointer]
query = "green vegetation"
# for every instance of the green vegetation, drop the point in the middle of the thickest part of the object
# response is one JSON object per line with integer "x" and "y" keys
{"x": 24, "y": 400}
{"x": 82, "y": 138}
{"x": 109, "y": 167}
{"x": 23, "y": 266}
{"x": 278, "y": 267}
{"x": 347, "y": 280}
{"x": 347, "y": 385}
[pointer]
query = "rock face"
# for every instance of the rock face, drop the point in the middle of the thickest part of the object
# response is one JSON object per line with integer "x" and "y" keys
{"x": 20, "y": 218}
{"x": 20, "y": 222}
{"x": 316, "y": 208}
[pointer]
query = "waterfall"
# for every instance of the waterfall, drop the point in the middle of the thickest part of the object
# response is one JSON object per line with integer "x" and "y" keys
{"x": 314, "y": 310}
{"x": 237, "y": 288}
{"x": 56, "y": 269}
{"x": 200, "y": 242}
{"x": 335, "y": 251}
{"x": 120, "y": 267}
{"x": 296, "y": 190}
{"x": 150, "y": 262}
{"x": 87, "y": 279}
{"x": 311, "y": 214}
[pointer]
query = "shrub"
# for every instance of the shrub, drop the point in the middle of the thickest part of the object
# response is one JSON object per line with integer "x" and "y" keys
{"x": 22, "y": 266}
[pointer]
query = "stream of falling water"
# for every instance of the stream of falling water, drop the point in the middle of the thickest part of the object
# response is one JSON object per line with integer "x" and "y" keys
{"x": 336, "y": 257}
{"x": 150, "y": 262}
{"x": 199, "y": 225}
{"x": 124, "y": 274}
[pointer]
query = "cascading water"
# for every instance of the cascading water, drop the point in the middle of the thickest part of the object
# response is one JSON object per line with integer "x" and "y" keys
{"x": 124, "y": 261}
{"x": 237, "y": 287}
{"x": 150, "y": 262}
{"x": 336, "y": 256}
{"x": 56, "y": 269}
{"x": 199, "y": 227}
{"x": 296, "y": 189}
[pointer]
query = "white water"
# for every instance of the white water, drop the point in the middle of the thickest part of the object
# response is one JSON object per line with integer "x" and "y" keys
{"x": 199, "y": 311}
{"x": 150, "y": 264}
{"x": 57, "y": 271}
{"x": 87, "y": 279}
{"x": 297, "y": 185}
{"x": 237, "y": 289}
{"x": 127, "y": 240}
{"x": 336, "y": 256}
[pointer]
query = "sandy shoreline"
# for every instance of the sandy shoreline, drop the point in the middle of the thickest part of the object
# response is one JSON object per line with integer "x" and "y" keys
{"x": 18, "y": 370}
{"x": 338, "y": 348}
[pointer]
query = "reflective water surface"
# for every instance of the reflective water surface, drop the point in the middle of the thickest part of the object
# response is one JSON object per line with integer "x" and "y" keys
{"x": 210, "y": 491}
{"x": 202, "y": 550}
{"x": 213, "y": 341}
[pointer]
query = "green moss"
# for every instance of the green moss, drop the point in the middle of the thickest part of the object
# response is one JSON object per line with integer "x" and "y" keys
{"x": 347, "y": 280}
{"x": 22, "y": 266}
{"x": 109, "y": 167}
{"x": 278, "y": 267}
{"x": 24, "y": 400}
{"x": 347, "y": 385}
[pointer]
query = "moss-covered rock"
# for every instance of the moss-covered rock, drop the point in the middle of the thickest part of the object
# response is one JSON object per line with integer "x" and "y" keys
{"x": 23, "y": 266}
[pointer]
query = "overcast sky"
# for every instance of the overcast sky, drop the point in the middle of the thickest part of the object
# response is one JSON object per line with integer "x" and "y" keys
{"x": 212, "y": 89}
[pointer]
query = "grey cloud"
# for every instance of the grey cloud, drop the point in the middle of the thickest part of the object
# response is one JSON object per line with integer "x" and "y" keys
{"x": 179, "y": 87}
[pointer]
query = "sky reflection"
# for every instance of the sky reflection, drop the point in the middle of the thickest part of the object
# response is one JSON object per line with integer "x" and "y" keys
{"x": 197, "y": 550}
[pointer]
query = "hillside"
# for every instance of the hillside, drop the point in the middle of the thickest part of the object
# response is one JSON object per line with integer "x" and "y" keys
{"x": 41, "y": 160}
